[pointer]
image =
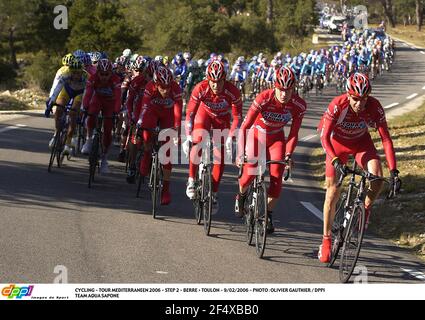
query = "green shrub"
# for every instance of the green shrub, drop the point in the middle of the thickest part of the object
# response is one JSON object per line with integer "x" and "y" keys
{"x": 42, "y": 70}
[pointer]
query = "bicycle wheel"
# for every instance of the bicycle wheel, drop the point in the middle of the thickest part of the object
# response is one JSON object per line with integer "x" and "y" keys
{"x": 154, "y": 184}
{"x": 337, "y": 230}
{"x": 53, "y": 152}
{"x": 60, "y": 148}
{"x": 93, "y": 159}
{"x": 249, "y": 217}
{"x": 260, "y": 221}
{"x": 206, "y": 199}
{"x": 197, "y": 203}
{"x": 352, "y": 242}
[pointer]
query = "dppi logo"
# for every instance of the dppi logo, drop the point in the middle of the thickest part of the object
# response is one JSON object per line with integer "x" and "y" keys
{"x": 16, "y": 292}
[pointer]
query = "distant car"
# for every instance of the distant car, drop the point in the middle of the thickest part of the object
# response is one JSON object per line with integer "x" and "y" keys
{"x": 335, "y": 24}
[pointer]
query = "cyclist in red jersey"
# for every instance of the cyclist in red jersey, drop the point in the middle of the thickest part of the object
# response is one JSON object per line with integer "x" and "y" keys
{"x": 263, "y": 125}
{"x": 162, "y": 102}
{"x": 102, "y": 93}
{"x": 135, "y": 96}
{"x": 212, "y": 105}
{"x": 343, "y": 132}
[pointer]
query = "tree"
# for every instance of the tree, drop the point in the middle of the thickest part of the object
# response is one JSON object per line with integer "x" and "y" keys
{"x": 269, "y": 11}
{"x": 419, "y": 14}
{"x": 99, "y": 26}
{"x": 388, "y": 11}
{"x": 14, "y": 17}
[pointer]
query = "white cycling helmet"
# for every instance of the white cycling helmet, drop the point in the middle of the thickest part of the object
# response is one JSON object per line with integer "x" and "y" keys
{"x": 126, "y": 53}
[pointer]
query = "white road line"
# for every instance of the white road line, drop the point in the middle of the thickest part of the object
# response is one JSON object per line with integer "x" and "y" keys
{"x": 309, "y": 137}
{"x": 391, "y": 105}
{"x": 12, "y": 127}
{"x": 422, "y": 52}
{"x": 417, "y": 274}
{"x": 411, "y": 96}
{"x": 162, "y": 272}
{"x": 310, "y": 207}
{"x": 423, "y": 88}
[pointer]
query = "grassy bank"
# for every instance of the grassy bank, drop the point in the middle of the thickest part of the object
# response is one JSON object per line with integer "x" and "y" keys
{"x": 401, "y": 220}
{"x": 409, "y": 34}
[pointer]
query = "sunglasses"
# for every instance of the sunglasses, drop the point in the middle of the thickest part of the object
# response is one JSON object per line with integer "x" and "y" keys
{"x": 357, "y": 99}
{"x": 163, "y": 87}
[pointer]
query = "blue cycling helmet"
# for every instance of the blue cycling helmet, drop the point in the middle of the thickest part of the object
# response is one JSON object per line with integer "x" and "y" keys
{"x": 85, "y": 59}
{"x": 103, "y": 55}
{"x": 78, "y": 53}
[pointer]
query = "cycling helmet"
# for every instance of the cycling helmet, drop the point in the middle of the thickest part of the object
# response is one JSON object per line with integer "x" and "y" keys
{"x": 95, "y": 57}
{"x": 159, "y": 58}
{"x": 121, "y": 61}
{"x": 166, "y": 60}
{"x": 78, "y": 53}
{"x": 140, "y": 63}
{"x": 201, "y": 63}
{"x": 103, "y": 55}
{"x": 104, "y": 65}
{"x": 179, "y": 57}
{"x": 126, "y": 53}
{"x": 215, "y": 71}
{"x": 358, "y": 85}
{"x": 75, "y": 64}
{"x": 163, "y": 77}
{"x": 187, "y": 56}
{"x": 285, "y": 78}
{"x": 67, "y": 59}
{"x": 85, "y": 59}
{"x": 153, "y": 65}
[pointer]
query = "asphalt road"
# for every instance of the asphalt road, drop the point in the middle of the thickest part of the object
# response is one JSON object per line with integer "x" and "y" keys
{"x": 106, "y": 235}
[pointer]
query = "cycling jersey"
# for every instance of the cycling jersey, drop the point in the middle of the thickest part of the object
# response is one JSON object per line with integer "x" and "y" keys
{"x": 135, "y": 94}
{"x": 64, "y": 80}
{"x": 267, "y": 115}
{"x": 341, "y": 124}
{"x": 106, "y": 90}
{"x": 219, "y": 106}
{"x": 167, "y": 112}
{"x": 154, "y": 104}
{"x": 105, "y": 96}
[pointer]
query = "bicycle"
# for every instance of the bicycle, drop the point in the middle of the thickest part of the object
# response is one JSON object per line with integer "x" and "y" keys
{"x": 96, "y": 150}
{"x": 81, "y": 132}
{"x": 255, "y": 208}
{"x": 203, "y": 188}
{"x": 60, "y": 139}
{"x": 349, "y": 223}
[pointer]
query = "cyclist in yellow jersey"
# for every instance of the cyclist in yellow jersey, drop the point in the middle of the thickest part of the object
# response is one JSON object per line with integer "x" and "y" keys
{"x": 69, "y": 83}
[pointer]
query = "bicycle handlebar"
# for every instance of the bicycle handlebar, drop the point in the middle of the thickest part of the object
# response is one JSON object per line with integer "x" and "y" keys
{"x": 394, "y": 190}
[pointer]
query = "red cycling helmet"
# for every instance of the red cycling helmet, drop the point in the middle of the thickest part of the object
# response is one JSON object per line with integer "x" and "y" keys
{"x": 104, "y": 65}
{"x": 358, "y": 85}
{"x": 163, "y": 77}
{"x": 285, "y": 78}
{"x": 215, "y": 71}
{"x": 152, "y": 67}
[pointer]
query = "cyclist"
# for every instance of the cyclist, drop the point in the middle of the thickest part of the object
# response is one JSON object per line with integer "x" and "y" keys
{"x": 344, "y": 132}
{"x": 69, "y": 83}
{"x": 135, "y": 96}
{"x": 212, "y": 104}
{"x": 103, "y": 92}
{"x": 162, "y": 102}
{"x": 271, "y": 110}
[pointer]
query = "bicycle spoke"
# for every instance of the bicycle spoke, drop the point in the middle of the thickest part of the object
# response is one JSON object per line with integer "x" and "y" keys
{"x": 352, "y": 243}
